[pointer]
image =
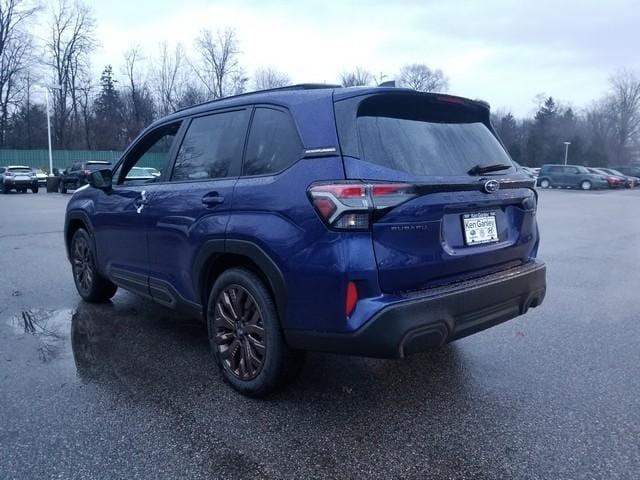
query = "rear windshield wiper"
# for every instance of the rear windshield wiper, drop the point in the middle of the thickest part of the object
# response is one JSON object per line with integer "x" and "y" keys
{"x": 480, "y": 169}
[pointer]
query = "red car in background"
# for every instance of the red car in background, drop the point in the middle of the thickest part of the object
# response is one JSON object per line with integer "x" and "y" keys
{"x": 614, "y": 181}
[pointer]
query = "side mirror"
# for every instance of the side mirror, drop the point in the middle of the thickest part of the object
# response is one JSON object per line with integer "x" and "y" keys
{"x": 102, "y": 179}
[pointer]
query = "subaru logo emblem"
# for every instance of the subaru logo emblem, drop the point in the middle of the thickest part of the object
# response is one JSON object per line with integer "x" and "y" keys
{"x": 492, "y": 186}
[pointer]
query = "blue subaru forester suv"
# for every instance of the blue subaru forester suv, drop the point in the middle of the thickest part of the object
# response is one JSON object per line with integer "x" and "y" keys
{"x": 369, "y": 221}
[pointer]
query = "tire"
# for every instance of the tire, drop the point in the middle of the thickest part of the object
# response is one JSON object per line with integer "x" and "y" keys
{"x": 91, "y": 286}
{"x": 585, "y": 185}
{"x": 545, "y": 183}
{"x": 63, "y": 187}
{"x": 5, "y": 189}
{"x": 23, "y": 190}
{"x": 35, "y": 189}
{"x": 245, "y": 335}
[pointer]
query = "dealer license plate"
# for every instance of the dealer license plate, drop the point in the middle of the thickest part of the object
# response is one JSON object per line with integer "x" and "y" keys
{"x": 480, "y": 228}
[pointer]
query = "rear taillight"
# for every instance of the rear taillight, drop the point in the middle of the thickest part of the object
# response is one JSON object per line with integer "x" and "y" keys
{"x": 349, "y": 206}
{"x": 351, "y": 298}
{"x": 8, "y": 174}
{"x": 85, "y": 172}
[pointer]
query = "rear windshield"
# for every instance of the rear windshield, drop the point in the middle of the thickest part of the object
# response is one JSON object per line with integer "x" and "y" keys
{"x": 98, "y": 166}
{"x": 428, "y": 148}
{"x": 422, "y": 135}
{"x": 19, "y": 170}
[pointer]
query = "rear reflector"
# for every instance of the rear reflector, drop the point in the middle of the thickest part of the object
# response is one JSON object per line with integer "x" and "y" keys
{"x": 351, "y": 299}
{"x": 348, "y": 206}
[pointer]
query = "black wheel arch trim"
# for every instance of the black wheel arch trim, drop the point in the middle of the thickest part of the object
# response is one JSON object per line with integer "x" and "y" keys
{"x": 84, "y": 218}
{"x": 245, "y": 248}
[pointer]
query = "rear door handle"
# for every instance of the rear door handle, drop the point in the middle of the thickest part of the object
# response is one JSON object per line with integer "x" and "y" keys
{"x": 212, "y": 199}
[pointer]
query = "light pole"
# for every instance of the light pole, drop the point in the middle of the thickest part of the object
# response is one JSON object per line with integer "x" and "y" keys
{"x": 566, "y": 151}
{"x": 46, "y": 96}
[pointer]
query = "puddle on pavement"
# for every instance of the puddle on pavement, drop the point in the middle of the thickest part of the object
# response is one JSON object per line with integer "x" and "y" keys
{"x": 49, "y": 327}
{"x": 105, "y": 342}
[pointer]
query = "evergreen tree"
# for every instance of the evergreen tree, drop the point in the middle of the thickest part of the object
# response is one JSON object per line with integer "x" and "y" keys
{"x": 108, "y": 114}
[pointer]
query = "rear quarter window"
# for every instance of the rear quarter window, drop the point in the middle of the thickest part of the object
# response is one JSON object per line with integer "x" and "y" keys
{"x": 273, "y": 143}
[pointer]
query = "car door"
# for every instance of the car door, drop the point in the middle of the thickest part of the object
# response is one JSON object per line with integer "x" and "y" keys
{"x": 120, "y": 220}
{"x": 571, "y": 176}
{"x": 72, "y": 173}
{"x": 193, "y": 207}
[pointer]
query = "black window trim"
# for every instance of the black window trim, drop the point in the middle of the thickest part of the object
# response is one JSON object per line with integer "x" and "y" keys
{"x": 187, "y": 124}
{"x": 171, "y": 155}
{"x": 286, "y": 111}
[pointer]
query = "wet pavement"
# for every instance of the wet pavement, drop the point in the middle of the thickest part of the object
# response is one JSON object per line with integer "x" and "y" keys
{"x": 128, "y": 390}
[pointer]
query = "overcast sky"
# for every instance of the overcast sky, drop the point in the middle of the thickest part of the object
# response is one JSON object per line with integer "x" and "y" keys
{"x": 500, "y": 51}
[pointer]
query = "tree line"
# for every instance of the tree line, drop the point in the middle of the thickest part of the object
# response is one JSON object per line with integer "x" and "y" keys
{"x": 106, "y": 113}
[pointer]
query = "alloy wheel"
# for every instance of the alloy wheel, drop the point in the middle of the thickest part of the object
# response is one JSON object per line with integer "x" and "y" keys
{"x": 82, "y": 264}
{"x": 239, "y": 332}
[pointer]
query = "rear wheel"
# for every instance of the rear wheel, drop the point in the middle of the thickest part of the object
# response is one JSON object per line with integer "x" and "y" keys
{"x": 544, "y": 183}
{"x": 35, "y": 189}
{"x": 91, "y": 286}
{"x": 245, "y": 335}
{"x": 585, "y": 185}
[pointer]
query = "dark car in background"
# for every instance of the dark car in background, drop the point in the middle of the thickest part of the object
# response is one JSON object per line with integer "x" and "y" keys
{"x": 570, "y": 176}
{"x": 631, "y": 170}
{"x": 77, "y": 174}
{"x": 19, "y": 178}
{"x": 345, "y": 220}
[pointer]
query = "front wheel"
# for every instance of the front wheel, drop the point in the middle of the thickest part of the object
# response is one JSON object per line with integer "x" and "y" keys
{"x": 91, "y": 286}
{"x": 585, "y": 185}
{"x": 245, "y": 335}
{"x": 544, "y": 183}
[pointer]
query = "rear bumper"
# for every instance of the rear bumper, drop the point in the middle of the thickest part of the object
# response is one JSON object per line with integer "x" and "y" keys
{"x": 20, "y": 183}
{"x": 436, "y": 316}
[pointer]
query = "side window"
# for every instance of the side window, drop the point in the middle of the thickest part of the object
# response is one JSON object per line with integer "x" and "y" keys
{"x": 152, "y": 151}
{"x": 572, "y": 170}
{"x": 273, "y": 143}
{"x": 555, "y": 169}
{"x": 212, "y": 147}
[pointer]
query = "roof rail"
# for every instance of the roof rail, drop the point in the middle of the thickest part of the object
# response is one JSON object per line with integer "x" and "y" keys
{"x": 299, "y": 86}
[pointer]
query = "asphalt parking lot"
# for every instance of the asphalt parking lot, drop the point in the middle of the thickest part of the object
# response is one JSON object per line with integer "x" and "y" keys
{"x": 127, "y": 390}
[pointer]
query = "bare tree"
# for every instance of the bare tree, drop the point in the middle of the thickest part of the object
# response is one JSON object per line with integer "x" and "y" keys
{"x": 356, "y": 78}
{"x": 420, "y": 77}
{"x": 86, "y": 92}
{"x": 15, "y": 55}
{"x": 269, "y": 77}
{"x": 169, "y": 78}
{"x": 219, "y": 69}
{"x": 624, "y": 108}
{"x": 71, "y": 41}
{"x": 137, "y": 99}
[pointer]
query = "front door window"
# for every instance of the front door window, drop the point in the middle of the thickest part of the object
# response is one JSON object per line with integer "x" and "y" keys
{"x": 149, "y": 159}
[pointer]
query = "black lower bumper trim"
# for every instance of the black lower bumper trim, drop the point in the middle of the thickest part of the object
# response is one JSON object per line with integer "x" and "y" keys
{"x": 436, "y": 317}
